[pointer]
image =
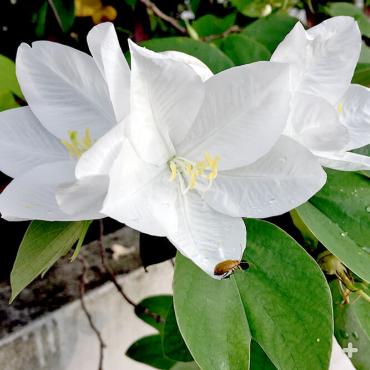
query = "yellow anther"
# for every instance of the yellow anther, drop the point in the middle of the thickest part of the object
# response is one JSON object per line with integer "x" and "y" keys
{"x": 76, "y": 147}
{"x": 193, "y": 180}
{"x": 189, "y": 171}
{"x": 340, "y": 107}
{"x": 173, "y": 169}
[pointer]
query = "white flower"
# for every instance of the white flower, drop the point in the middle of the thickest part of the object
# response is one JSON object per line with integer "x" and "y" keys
{"x": 73, "y": 100}
{"x": 330, "y": 116}
{"x": 197, "y": 156}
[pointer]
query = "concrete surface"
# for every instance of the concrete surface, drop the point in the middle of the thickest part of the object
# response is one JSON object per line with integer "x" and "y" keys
{"x": 64, "y": 340}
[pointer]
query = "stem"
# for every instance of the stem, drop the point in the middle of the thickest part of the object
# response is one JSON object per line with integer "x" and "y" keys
{"x": 348, "y": 283}
{"x": 113, "y": 279}
{"x": 88, "y": 315}
{"x": 174, "y": 23}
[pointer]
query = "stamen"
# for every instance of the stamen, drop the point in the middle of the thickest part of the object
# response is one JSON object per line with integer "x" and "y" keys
{"x": 340, "y": 107}
{"x": 76, "y": 147}
{"x": 190, "y": 171}
{"x": 173, "y": 169}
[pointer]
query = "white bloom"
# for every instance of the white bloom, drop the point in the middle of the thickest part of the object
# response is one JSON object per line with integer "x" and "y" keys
{"x": 197, "y": 156}
{"x": 330, "y": 116}
{"x": 73, "y": 100}
{"x": 339, "y": 360}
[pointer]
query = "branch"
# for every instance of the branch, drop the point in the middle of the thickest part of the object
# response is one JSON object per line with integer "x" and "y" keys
{"x": 87, "y": 313}
{"x": 150, "y": 5}
{"x": 232, "y": 29}
{"x": 113, "y": 279}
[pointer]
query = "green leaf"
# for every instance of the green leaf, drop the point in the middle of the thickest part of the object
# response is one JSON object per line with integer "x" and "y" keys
{"x": 339, "y": 216}
{"x": 209, "y": 24}
{"x": 286, "y": 300}
{"x": 7, "y": 100}
{"x": 40, "y": 19}
{"x": 259, "y": 359}
{"x": 211, "y": 318}
{"x": 352, "y": 324}
{"x": 253, "y": 8}
{"x": 351, "y": 10}
{"x": 173, "y": 344}
{"x": 158, "y": 307}
{"x": 8, "y": 79}
{"x": 42, "y": 245}
{"x": 362, "y": 75}
{"x": 214, "y": 58}
{"x": 148, "y": 350}
{"x": 64, "y": 11}
{"x": 364, "y": 55}
{"x": 185, "y": 366}
{"x": 271, "y": 30}
{"x": 242, "y": 50}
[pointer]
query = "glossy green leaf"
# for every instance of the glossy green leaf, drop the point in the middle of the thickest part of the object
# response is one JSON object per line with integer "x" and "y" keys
{"x": 211, "y": 318}
{"x": 209, "y": 24}
{"x": 253, "y": 8}
{"x": 259, "y": 359}
{"x": 339, "y": 217}
{"x": 148, "y": 350}
{"x": 214, "y": 58}
{"x": 243, "y": 50}
{"x": 157, "y": 307}
{"x": 185, "y": 366}
{"x": 42, "y": 245}
{"x": 8, "y": 79}
{"x": 40, "y": 19}
{"x": 362, "y": 74}
{"x": 64, "y": 11}
{"x": 7, "y": 100}
{"x": 286, "y": 300}
{"x": 271, "y": 30}
{"x": 351, "y": 10}
{"x": 364, "y": 55}
{"x": 173, "y": 344}
{"x": 352, "y": 324}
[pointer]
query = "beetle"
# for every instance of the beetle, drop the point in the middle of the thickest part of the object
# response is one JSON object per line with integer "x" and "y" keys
{"x": 228, "y": 267}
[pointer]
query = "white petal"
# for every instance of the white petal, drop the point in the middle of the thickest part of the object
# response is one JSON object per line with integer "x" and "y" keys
{"x": 98, "y": 160}
{"x": 197, "y": 65}
{"x": 323, "y": 58}
{"x": 206, "y": 236}
{"x": 25, "y": 143}
{"x": 64, "y": 89}
{"x": 104, "y": 47}
{"x": 355, "y": 115}
{"x": 165, "y": 98}
{"x": 140, "y": 194}
{"x": 283, "y": 179}
{"x": 86, "y": 195}
{"x": 339, "y": 360}
{"x": 33, "y": 195}
{"x": 244, "y": 113}
{"x": 315, "y": 123}
{"x": 344, "y": 161}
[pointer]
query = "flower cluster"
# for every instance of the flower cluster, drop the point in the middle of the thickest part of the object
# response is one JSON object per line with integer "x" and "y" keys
{"x": 172, "y": 150}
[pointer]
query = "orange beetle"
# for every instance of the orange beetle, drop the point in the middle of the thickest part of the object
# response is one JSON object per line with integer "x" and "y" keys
{"x": 226, "y": 268}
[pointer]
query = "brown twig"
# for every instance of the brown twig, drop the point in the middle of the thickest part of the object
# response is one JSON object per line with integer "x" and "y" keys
{"x": 175, "y": 24}
{"x": 232, "y": 29}
{"x": 87, "y": 313}
{"x": 113, "y": 279}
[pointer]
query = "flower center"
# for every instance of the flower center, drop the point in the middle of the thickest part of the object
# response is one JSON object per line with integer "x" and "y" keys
{"x": 75, "y": 146}
{"x": 190, "y": 172}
